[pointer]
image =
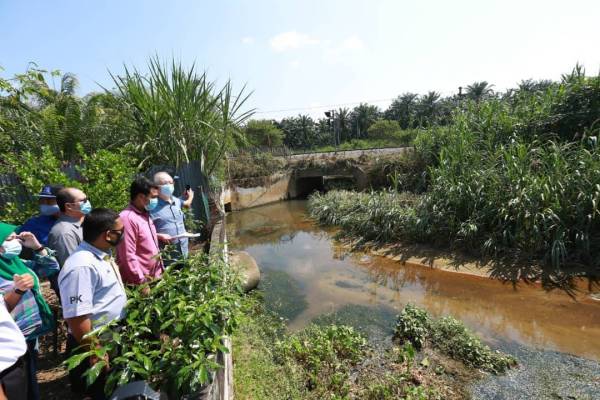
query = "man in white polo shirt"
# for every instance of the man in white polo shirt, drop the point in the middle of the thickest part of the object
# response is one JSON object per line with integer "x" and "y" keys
{"x": 13, "y": 374}
{"x": 91, "y": 290}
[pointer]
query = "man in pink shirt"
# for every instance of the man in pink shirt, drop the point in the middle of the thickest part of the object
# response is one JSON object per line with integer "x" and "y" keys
{"x": 138, "y": 252}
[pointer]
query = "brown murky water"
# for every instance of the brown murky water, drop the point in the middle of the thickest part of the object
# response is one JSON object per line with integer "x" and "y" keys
{"x": 282, "y": 238}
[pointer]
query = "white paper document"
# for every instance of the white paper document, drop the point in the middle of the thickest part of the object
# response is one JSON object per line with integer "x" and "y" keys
{"x": 186, "y": 235}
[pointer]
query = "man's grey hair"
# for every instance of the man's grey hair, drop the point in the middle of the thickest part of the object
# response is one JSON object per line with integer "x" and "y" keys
{"x": 161, "y": 177}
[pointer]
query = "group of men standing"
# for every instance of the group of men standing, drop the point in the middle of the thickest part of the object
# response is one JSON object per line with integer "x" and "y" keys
{"x": 91, "y": 282}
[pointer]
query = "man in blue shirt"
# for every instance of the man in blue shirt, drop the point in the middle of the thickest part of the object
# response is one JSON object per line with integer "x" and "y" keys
{"x": 168, "y": 216}
{"x": 40, "y": 225}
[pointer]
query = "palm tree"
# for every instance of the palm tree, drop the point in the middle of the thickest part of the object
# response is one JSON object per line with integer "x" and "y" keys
{"x": 428, "y": 108}
{"x": 343, "y": 117}
{"x": 479, "y": 91}
{"x": 403, "y": 109}
{"x": 362, "y": 117}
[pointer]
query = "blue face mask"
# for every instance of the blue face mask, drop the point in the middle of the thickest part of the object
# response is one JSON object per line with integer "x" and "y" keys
{"x": 152, "y": 205}
{"x": 12, "y": 249}
{"x": 85, "y": 207}
{"x": 167, "y": 190}
{"x": 46, "y": 209}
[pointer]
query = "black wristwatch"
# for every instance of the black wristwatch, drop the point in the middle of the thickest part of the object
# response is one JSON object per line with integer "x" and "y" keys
{"x": 20, "y": 292}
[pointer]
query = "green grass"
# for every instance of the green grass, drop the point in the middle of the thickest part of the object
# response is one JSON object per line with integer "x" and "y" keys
{"x": 257, "y": 374}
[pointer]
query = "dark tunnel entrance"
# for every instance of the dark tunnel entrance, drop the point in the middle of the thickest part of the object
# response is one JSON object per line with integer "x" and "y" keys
{"x": 308, "y": 185}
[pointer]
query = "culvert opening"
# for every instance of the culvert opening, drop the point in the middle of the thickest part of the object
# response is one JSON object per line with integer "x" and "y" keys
{"x": 308, "y": 185}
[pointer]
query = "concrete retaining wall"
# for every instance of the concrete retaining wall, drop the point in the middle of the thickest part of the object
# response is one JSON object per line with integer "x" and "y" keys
{"x": 274, "y": 188}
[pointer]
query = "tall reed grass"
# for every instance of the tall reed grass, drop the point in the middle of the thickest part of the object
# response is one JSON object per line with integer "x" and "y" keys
{"x": 516, "y": 177}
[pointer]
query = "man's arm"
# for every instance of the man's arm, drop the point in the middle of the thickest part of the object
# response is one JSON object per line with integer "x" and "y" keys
{"x": 187, "y": 203}
{"x": 79, "y": 327}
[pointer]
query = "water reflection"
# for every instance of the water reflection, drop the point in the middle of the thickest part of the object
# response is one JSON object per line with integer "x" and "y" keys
{"x": 282, "y": 238}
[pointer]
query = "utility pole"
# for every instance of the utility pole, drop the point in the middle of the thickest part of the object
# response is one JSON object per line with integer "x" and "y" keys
{"x": 335, "y": 125}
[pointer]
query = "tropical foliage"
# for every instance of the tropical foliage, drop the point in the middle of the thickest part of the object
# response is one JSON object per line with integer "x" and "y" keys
{"x": 510, "y": 178}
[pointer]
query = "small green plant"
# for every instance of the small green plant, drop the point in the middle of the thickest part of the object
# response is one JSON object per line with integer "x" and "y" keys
{"x": 325, "y": 353}
{"x": 413, "y": 326}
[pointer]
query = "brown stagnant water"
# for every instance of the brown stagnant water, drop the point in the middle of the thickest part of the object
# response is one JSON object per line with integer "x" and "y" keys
{"x": 282, "y": 237}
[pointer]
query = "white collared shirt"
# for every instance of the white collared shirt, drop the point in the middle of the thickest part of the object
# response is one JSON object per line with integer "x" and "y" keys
{"x": 91, "y": 285}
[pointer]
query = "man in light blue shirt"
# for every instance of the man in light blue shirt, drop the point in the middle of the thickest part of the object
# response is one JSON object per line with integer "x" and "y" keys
{"x": 168, "y": 216}
{"x": 91, "y": 290}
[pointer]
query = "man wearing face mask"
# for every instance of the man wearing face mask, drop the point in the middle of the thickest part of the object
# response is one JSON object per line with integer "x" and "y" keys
{"x": 40, "y": 225}
{"x": 138, "y": 254}
{"x": 66, "y": 235}
{"x": 92, "y": 292}
{"x": 168, "y": 215}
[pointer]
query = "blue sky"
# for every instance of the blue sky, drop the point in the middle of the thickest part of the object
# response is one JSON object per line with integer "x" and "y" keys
{"x": 309, "y": 54}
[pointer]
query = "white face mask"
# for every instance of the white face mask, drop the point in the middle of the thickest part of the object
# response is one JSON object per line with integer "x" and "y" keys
{"x": 12, "y": 248}
{"x": 167, "y": 189}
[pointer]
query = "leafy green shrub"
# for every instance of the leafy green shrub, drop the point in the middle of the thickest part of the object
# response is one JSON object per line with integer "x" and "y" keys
{"x": 104, "y": 176}
{"x": 171, "y": 336}
{"x": 451, "y": 337}
{"x": 454, "y": 339}
{"x": 33, "y": 172}
{"x": 413, "y": 326}
{"x": 325, "y": 353}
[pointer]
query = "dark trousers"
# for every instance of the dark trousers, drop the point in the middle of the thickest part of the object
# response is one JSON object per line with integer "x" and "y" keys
{"x": 31, "y": 357}
{"x": 14, "y": 380}
{"x": 76, "y": 378}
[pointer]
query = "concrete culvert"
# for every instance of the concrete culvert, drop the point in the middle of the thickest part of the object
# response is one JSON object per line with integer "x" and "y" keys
{"x": 247, "y": 267}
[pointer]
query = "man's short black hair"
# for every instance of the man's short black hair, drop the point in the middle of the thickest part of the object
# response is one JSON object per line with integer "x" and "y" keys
{"x": 64, "y": 196}
{"x": 141, "y": 185}
{"x": 98, "y": 221}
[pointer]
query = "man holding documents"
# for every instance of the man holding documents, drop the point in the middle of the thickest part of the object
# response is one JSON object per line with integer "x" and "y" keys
{"x": 169, "y": 218}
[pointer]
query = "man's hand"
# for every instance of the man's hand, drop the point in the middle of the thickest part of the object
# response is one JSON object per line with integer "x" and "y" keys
{"x": 29, "y": 240}
{"x": 189, "y": 194}
{"x": 163, "y": 237}
{"x": 189, "y": 197}
{"x": 145, "y": 291}
{"x": 23, "y": 282}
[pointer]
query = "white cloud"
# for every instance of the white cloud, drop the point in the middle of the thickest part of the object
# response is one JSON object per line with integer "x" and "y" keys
{"x": 352, "y": 43}
{"x": 291, "y": 40}
{"x": 248, "y": 40}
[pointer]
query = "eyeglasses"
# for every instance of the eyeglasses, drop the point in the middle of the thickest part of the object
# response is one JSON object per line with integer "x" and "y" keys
{"x": 119, "y": 231}
{"x": 79, "y": 201}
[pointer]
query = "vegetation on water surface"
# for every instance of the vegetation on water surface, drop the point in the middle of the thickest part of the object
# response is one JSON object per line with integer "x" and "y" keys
{"x": 171, "y": 336}
{"x": 335, "y": 361}
{"x": 516, "y": 177}
{"x": 451, "y": 337}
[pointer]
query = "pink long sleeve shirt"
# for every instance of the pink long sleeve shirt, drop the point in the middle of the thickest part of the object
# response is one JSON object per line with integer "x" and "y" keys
{"x": 137, "y": 254}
